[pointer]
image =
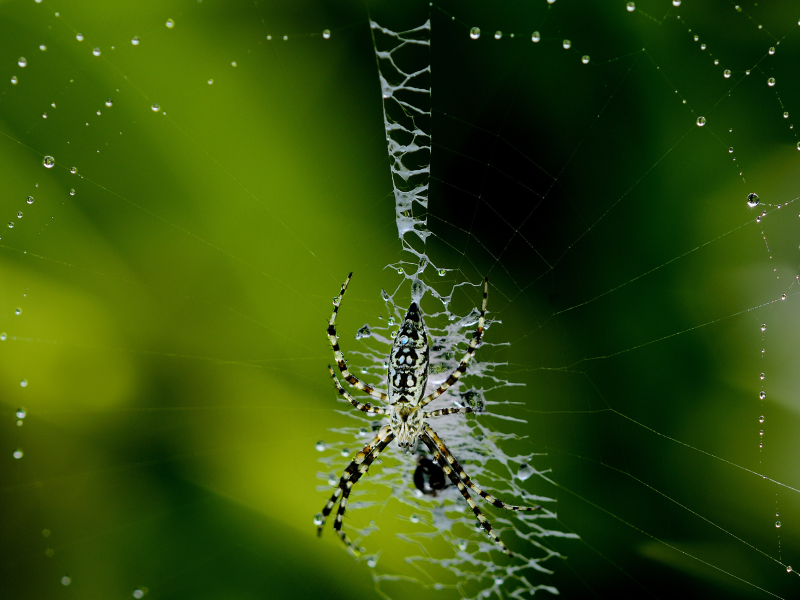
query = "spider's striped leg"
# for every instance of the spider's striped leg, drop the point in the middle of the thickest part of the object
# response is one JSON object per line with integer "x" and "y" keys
{"x": 453, "y": 462}
{"x": 362, "y": 469}
{"x": 339, "y": 355}
{"x": 353, "y": 470}
{"x": 366, "y": 407}
{"x": 462, "y": 367}
{"x": 432, "y": 446}
{"x": 448, "y": 411}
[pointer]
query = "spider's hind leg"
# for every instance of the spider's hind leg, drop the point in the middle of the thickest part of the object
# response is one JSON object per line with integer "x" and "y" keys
{"x": 339, "y": 355}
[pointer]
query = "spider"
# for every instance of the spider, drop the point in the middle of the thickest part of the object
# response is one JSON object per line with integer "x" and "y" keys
{"x": 407, "y": 377}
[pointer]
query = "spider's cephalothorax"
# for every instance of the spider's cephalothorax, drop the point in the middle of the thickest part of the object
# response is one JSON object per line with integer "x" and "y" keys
{"x": 407, "y": 378}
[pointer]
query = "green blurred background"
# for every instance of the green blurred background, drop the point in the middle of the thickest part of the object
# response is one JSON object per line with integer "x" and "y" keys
{"x": 172, "y": 311}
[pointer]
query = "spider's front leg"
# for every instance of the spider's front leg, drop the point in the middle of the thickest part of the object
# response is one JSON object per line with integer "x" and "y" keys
{"x": 358, "y": 467}
{"x": 339, "y": 355}
{"x": 461, "y": 480}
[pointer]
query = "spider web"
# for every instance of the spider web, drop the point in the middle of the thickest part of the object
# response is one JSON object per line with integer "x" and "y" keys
{"x": 162, "y": 360}
{"x": 470, "y": 563}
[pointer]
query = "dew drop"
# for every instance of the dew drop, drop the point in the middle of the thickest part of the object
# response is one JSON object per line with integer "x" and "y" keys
{"x": 726, "y": 73}
{"x": 139, "y": 593}
{"x": 233, "y": 64}
{"x": 701, "y": 121}
{"x": 3, "y": 336}
{"x": 535, "y": 37}
{"x": 170, "y": 23}
{"x": 702, "y": 46}
{"x": 761, "y": 419}
{"x": 789, "y": 567}
{"x": 285, "y": 38}
{"x": 318, "y": 519}
{"x": 21, "y": 413}
{"x": 500, "y": 580}
{"x": 631, "y": 7}
{"x": 332, "y": 479}
{"x": 135, "y": 40}
{"x": 320, "y": 446}
{"x": 18, "y": 311}
{"x": 22, "y": 62}
{"x": 96, "y": 51}
{"x": 771, "y": 81}
{"x": 18, "y": 454}
{"x": 567, "y": 44}
{"x": 763, "y": 376}
{"x": 730, "y": 150}
{"x": 498, "y": 35}
{"x": 390, "y": 321}
{"x": 393, "y": 334}
{"x": 109, "y": 102}
{"x": 772, "y": 50}
{"x": 11, "y": 224}
{"x": 783, "y": 296}
{"x": 462, "y": 545}
{"x": 524, "y": 472}
{"x": 414, "y": 519}
{"x": 372, "y": 562}
{"x": 29, "y": 200}
{"x": 778, "y": 524}
{"x": 585, "y": 59}
{"x": 762, "y": 395}
{"x": 155, "y": 107}
{"x": 752, "y": 201}
{"x": 14, "y": 80}
{"x": 345, "y": 452}
{"x": 475, "y": 33}
{"x": 23, "y": 383}
{"x": 758, "y": 220}
{"x": 441, "y": 272}
{"x": 72, "y": 192}
{"x": 326, "y": 34}
{"x": 676, "y": 2}
{"x": 49, "y": 161}
{"x": 363, "y": 332}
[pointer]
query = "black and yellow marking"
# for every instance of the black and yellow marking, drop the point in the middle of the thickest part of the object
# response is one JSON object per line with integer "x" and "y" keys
{"x": 358, "y": 467}
{"x": 459, "y": 477}
{"x": 339, "y": 355}
{"x": 473, "y": 344}
{"x": 449, "y": 411}
{"x": 365, "y": 406}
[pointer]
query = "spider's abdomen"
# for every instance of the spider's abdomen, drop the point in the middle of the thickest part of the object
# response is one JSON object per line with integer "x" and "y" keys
{"x": 408, "y": 360}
